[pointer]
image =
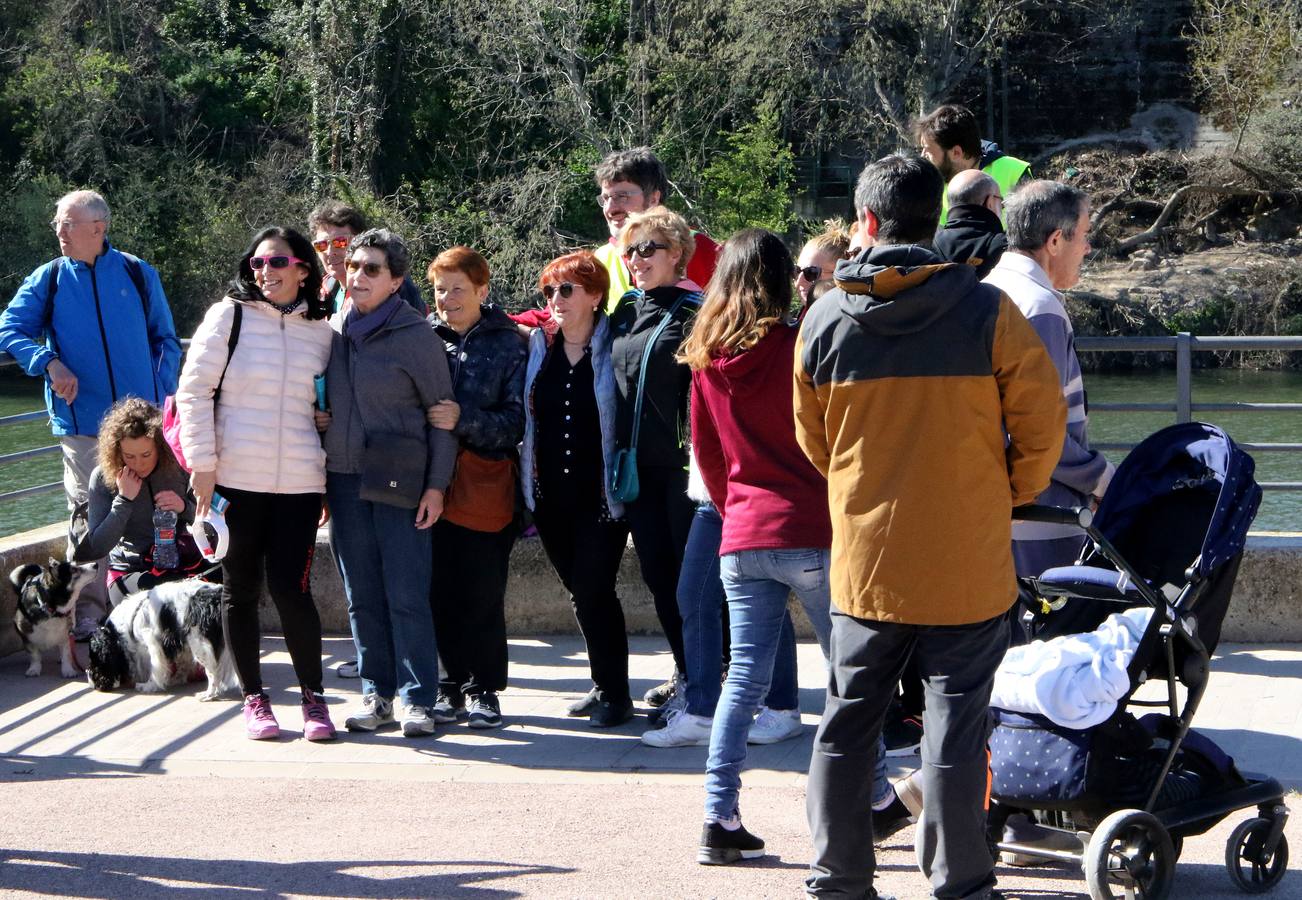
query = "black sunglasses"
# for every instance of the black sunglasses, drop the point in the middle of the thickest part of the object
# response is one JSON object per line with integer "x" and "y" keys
{"x": 372, "y": 269}
{"x": 811, "y": 273}
{"x": 644, "y": 249}
{"x": 565, "y": 289}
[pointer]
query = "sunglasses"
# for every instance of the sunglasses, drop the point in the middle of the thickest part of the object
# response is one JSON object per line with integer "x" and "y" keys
{"x": 339, "y": 243}
{"x": 275, "y": 262}
{"x": 644, "y": 249}
{"x": 372, "y": 269}
{"x": 564, "y": 289}
{"x": 809, "y": 273}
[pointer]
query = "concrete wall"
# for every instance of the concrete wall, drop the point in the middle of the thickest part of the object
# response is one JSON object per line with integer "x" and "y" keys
{"x": 1267, "y": 604}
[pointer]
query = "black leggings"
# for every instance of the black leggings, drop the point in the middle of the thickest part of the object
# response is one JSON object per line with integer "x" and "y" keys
{"x": 273, "y": 534}
{"x": 660, "y": 519}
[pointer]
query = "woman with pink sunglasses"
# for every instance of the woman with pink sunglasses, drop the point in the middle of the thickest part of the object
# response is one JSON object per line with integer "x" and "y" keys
{"x": 245, "y": 399}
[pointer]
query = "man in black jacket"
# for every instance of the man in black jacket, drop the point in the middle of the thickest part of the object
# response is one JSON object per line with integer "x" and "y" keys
{"x": 973, "y": 233}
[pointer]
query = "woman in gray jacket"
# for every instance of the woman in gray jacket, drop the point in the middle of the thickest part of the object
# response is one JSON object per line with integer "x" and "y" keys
{"x": 387, "y": 367}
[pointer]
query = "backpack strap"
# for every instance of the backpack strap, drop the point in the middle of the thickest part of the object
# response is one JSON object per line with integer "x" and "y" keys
{"x": 231, "y": 341}
{"x": 136, "y": 272}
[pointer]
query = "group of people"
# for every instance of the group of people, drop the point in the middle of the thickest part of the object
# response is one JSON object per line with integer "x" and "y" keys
{"x": 853, "y": 425}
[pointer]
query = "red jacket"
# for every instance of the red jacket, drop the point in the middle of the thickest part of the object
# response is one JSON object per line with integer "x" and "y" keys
{"x": 744, "y": 437}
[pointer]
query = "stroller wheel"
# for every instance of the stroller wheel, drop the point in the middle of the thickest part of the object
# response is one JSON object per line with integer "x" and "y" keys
{"x": 1246, "y": 859}
{"x": 1129, "y": 855}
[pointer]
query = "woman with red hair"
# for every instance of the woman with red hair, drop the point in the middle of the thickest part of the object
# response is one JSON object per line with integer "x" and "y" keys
{"x": 565, "y": 465}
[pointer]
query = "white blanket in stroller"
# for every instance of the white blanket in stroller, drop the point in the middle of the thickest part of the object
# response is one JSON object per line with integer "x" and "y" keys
{"x": 1075, "y": 680}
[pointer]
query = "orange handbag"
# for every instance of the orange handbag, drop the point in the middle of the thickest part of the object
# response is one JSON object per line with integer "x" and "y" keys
{"x": 481, "y": 496}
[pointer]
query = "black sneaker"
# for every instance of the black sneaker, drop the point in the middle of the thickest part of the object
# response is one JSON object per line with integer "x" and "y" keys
{"x": 903, "y": 733}
{"x": 584, "y": 705}
{"x": 891, "y": 819}
{"x": 448, "y": 708}
{"x": 608, "y": 714}
{"x": 659, "y": 695}
{"x": 720, "y": 847}
{"x": 484, "y": 711}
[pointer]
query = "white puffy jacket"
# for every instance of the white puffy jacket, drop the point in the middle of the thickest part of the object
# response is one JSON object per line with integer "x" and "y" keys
{"x": 263, "y": 438}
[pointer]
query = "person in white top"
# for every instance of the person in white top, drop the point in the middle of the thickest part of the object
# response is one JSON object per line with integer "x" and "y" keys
{"x": 248, "y": 433}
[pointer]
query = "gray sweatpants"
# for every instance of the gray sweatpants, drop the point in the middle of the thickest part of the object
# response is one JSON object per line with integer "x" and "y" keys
{"x": 957, "y": 664}
{"x": 80, "y": 457}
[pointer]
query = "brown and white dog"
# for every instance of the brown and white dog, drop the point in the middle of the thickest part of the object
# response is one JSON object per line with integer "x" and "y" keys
{"x": 47, "y": 596}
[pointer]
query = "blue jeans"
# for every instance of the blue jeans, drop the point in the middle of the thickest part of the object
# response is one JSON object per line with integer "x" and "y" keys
{"x": 757, "y": 583}
{"x": 701, "y": 604}
{"x": 387, "y": 565}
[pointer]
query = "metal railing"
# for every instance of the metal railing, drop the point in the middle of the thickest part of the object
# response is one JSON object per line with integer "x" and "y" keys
{"x": 1183, "y": 345}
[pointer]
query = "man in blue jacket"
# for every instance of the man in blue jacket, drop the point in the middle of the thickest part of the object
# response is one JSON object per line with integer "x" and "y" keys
{"x": 96, "y": 325}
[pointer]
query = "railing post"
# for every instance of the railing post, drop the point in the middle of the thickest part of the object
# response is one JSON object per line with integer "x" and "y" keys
{"x": 1183, "y": 376}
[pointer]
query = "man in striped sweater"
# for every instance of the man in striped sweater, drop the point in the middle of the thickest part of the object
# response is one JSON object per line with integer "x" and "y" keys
{"x": 1048, "y": 239}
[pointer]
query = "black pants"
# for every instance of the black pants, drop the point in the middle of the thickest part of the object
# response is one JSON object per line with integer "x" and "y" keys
{"x": 586, "y": 553}
{"x": 468, "y": 597}
{"x": 272, "y": 536}
{"x": 660, "y": 520}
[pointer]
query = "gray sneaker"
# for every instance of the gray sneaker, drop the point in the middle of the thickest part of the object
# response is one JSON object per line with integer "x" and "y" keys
{"x": 416, "y": 721}
{"x": 374, "y": 712}
{"x": 448, "y": 708}
{"x": 348, "y": 669}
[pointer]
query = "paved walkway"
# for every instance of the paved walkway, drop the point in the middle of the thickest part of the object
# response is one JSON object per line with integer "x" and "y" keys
{"x": 126, "y": 795}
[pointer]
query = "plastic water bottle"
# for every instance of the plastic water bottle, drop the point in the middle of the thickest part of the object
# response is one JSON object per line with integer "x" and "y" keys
{"x": 165, "y": 553}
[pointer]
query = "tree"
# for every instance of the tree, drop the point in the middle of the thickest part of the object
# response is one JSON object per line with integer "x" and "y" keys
{"x": 749, "y": 184}
{"x": 1240, "y": 49}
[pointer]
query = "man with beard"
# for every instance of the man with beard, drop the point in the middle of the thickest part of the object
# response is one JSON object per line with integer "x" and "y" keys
{"x": 950, "y": 138}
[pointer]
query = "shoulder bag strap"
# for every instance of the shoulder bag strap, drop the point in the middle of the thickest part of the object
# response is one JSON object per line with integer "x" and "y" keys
{"x": 646, "y": 358}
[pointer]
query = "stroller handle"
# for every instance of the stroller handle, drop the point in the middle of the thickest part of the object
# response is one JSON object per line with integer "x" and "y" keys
{"x": 1079, "y": 516}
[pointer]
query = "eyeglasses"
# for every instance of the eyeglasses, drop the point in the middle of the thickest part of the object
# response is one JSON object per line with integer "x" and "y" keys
{"x": 339, "y": 243}
{"x": 565, "y": 289}
{"x": 644, "y": 249}
{"x": 275, "y": 262}
{"x": 59, "y": 224}
{"x": 620, "y": 197}
{"x": 810, "y": 273}
{"x": 372, "y": 269}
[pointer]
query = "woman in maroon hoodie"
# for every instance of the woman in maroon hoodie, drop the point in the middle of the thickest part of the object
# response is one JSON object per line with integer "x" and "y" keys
{"x": 776, "y": 531}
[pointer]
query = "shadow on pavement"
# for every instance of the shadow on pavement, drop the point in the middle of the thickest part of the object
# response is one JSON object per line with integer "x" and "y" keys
{"x": 143, "y": 877}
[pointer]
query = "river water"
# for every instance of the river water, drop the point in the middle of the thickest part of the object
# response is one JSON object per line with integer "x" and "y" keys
{"x": 1280, "y": 510}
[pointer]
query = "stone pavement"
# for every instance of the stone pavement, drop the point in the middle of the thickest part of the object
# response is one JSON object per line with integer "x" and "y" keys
{"x": 127, "y": 795}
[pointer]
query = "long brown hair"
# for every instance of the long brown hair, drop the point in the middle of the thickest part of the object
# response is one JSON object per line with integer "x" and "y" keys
{"x": 130, "y": 418}
{"x": 749, "y": 294}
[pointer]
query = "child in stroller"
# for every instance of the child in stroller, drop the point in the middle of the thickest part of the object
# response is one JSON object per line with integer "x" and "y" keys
{"x": 1120, "y": 797}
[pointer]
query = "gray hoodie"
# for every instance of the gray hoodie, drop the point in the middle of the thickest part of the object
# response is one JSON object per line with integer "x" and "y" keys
{"x": 395, "y": 375}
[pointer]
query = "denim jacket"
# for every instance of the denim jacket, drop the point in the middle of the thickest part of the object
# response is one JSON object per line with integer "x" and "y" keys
{"x": 603, "y": 379}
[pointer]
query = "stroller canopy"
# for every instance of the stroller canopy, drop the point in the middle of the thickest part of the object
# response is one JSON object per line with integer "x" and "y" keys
{"x": 1188, "y": 455}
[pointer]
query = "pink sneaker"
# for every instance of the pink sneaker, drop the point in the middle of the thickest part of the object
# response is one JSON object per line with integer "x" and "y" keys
{"x": 259, "y": 721}
{"x": 316, "y": 718}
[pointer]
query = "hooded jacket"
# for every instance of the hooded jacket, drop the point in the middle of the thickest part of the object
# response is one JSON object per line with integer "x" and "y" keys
{"x": 487, "y": 365}
{"x": 384, "y": 387}
{"x": 972, "y": 235}
{"x": 116, "y": 342}
{"x": 744, "y": 440}
{"x": 907, "y": 375}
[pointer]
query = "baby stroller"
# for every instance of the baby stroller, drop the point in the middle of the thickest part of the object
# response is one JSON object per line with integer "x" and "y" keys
{"x": 1120, "y": 798}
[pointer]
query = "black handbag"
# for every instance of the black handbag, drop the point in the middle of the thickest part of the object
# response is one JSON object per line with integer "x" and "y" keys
{"x": 393, "y": 470}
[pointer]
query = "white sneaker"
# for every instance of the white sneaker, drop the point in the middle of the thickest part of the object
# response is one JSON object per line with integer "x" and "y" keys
{"x": 416, "y": 721}
{"x": 682, "y": 729}
{"x": 774, "y": 725}
{"x": 374, "y": 712}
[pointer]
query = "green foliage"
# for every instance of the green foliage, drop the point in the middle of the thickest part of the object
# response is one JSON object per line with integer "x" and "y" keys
{"x": 749, "y": 183}
{"x": 1215, "y": 316}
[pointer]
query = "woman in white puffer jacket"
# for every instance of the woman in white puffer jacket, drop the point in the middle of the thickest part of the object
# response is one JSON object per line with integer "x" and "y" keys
{"x": 247, "y": 431}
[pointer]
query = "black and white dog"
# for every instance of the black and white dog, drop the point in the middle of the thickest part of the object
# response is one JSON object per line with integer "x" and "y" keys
{"x": 155, "y": 638}
{"x": 47, "y": 595}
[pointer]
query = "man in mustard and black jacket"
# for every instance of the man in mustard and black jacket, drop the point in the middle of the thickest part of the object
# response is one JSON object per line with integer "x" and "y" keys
{"x": 932, "y": 407}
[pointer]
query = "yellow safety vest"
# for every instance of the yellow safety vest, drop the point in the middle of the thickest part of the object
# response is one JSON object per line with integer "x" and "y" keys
{"x": 620, "y": 280}
{"x": 1006, "y": 171}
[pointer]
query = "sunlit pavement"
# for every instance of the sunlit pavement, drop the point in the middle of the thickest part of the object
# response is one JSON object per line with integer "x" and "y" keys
{"x": 127, "y": 795}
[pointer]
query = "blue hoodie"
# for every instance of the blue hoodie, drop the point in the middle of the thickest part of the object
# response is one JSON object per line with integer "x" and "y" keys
{"x": 117, "y": 343}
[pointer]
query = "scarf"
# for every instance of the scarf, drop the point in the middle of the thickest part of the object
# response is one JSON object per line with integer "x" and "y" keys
{"x": 360, "y": 326}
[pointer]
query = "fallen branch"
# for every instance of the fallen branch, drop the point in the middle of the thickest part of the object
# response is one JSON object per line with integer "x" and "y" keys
{"x": 1160, "y": 227}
